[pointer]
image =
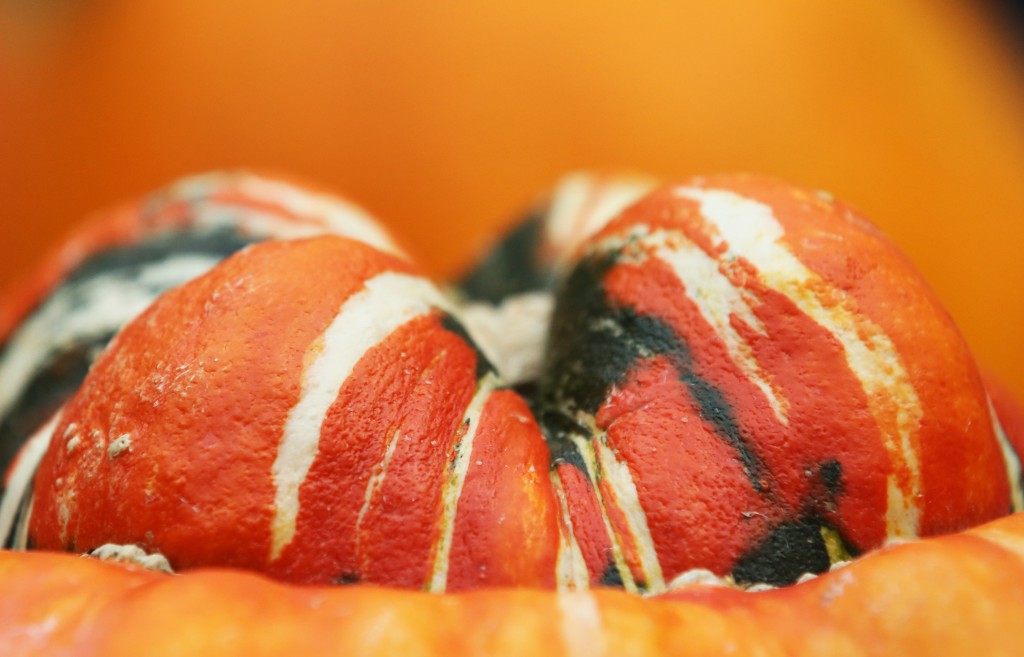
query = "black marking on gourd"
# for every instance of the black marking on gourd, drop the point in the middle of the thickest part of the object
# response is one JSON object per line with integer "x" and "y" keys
{"x": 611, "y": 575}
{"x": 528, "y": 391}
{"x": 10, "y": 542}
{"x": 347, "y": 579}
{"x": 826, "y": 487}
{"x": 831, "y": 473}
{"x": 513, "y": 266}
{"x": 58, "y": 379}
{"x": 131, "y": 259}
{"x": 787, "y": 552}
{"x": 558, "y": 429}
{"x": 799, "y": 546}
{"x": 221, "y": 241}
{"x": 483, "y": 365}
{"x": 51, "y": 386}
{"x": 594, "y": 344}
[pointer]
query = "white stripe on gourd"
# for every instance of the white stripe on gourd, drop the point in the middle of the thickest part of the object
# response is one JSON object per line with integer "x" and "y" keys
{"x": 375, "y": 483}
{"x": 587, "y": 451}
{"x": 620, "y": 480}
{"x": 582, "y": 204}
{"x": 365, "y": 319}
{"x": 748, "y": 229}
{"x": 312, "y": 213}
{"x": 1010, "y": 458}
{"x": 22, "y": 474}
{"x": 714, "y": 295}
{"x": 82, "y": 311}
{"x": 338, "y": 217}
{"x": 570, "y": 566}
{"x": 451, "y": 487}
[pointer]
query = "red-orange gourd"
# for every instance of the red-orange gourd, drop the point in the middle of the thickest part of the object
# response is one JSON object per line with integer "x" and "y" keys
{"x": 743, "y": 383}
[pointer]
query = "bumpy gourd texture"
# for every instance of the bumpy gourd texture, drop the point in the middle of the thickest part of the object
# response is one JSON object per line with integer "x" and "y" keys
{"x": 740, "y": 377}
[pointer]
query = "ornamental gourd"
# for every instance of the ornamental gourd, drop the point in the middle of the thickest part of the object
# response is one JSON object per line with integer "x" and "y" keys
{"x": 734, "y": 380}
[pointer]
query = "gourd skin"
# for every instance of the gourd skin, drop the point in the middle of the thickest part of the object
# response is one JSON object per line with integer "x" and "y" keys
{"x": 533, "y": 255}
{"x": 244, "y": 420}
{"x": 741, "y": 376}
{"x": 955, "y": 595}
{"x": 1008, "y": 410}
{"x": 740, "y": 369}
{"x": 112, "y": 268}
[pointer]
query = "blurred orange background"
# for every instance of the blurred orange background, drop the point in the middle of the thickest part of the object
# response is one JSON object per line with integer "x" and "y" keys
{"x": 446, "y": 118}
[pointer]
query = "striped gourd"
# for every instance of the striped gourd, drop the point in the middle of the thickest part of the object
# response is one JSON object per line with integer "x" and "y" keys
{"x": 740, "y": 377}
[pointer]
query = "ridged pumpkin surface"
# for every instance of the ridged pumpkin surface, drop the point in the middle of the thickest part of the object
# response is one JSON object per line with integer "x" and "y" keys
{"x": 956, "y": 595}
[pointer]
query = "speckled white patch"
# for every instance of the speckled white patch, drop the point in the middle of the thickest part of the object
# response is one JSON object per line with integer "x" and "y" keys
{"x": 132, "y": 554}
{"x": 119, "y": 445}
{"x": 698, "y": 577}
{"x": 836, "y": 586}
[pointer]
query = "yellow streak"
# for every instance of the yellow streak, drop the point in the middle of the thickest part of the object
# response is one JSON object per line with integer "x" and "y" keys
{"x": 570, "y": 569}
{"x": 618, "y": 476}
{"x": 452, "y": 487}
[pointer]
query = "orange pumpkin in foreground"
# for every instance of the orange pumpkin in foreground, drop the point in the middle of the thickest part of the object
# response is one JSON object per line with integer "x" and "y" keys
{"x": 744, "y": 385}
